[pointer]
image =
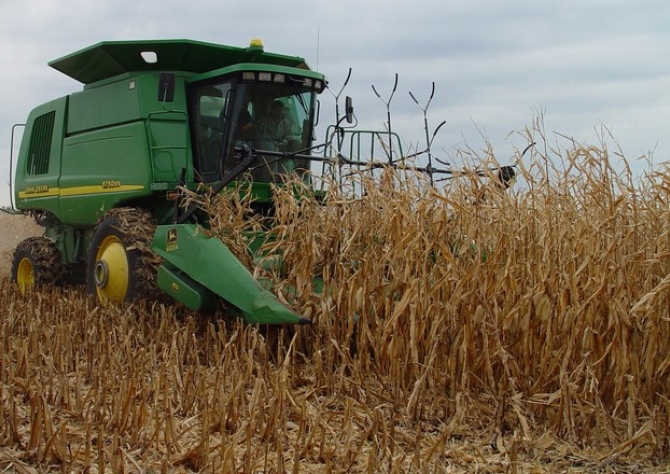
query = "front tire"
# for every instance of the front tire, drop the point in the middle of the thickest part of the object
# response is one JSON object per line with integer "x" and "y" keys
{"x": 36, "y": 262}
{"x": 121, "y": 266}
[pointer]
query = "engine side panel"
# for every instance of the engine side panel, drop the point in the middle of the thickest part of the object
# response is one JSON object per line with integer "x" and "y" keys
{"x": 101, "y": 169}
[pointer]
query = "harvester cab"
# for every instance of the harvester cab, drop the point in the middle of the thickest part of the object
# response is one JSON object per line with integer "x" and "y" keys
{"x": 100, "y": 168}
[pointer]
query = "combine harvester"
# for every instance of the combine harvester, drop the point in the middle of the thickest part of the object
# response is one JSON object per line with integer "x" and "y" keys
{"x": 103, "y": 170}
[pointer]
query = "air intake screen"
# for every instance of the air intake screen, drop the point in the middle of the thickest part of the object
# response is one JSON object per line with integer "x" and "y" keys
{"x": 40, "y": 144}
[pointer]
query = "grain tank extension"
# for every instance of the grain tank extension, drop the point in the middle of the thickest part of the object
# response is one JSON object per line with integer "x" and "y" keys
{"x": 101, "y": 168}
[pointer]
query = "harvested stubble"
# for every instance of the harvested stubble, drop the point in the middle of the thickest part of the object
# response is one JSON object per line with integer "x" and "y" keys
{"x": 542, "y": 347}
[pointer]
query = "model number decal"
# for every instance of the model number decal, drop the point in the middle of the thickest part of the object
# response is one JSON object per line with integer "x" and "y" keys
{"x": 111, "y": 184}
{"x": 39, "y": 189}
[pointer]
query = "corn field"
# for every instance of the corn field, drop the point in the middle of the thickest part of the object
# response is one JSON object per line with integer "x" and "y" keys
{"x": 459, "y": 329}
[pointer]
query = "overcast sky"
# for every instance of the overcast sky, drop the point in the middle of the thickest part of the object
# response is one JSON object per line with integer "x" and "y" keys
{"x": 583, "y": 64}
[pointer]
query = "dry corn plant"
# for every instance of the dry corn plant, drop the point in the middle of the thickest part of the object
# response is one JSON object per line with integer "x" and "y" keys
{"x": 229, "y": 217}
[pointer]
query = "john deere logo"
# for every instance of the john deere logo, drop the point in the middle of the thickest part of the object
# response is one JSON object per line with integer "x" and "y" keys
{"x": 171, "y": 240}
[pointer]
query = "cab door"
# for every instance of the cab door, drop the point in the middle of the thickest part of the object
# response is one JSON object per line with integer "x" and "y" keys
{"x": 210, "y": 103}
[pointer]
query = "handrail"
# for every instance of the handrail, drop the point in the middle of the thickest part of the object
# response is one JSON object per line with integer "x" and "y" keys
{"x": 11, "y": 170}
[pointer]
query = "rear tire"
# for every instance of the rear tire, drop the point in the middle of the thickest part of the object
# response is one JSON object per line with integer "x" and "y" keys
{"x": 36, "y": 262}
{"x": 121, "y": 266}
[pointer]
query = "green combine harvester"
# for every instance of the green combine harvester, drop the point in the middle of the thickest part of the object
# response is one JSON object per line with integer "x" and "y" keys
{"x": 102, "y": 168}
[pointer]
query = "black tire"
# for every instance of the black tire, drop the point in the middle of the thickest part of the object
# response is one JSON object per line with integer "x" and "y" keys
{"x": 121, "y": 266}
{"x": 36, "y": 262}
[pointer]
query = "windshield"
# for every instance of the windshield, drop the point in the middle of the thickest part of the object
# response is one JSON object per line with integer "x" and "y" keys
{"x": 265, "y": 116}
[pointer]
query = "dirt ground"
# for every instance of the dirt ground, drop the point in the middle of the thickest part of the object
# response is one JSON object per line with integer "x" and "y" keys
{"x": 13, "y": 229}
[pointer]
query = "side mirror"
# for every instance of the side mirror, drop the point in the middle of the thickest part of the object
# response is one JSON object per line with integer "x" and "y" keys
{"x": 317, "y": 113}
{"x": 349, "y": 109}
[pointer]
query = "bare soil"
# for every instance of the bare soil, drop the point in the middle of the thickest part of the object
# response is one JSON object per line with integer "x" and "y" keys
{"x": 13, "y": 229}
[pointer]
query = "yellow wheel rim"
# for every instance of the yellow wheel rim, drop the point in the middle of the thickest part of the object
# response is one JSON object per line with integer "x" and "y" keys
{"x": 111, "y": 270}
{"x": 25, "y": 275}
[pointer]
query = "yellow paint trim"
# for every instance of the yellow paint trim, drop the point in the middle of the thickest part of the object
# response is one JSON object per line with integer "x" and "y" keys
{"x": 80, "y": 191}
{"x": 98, "y": 189}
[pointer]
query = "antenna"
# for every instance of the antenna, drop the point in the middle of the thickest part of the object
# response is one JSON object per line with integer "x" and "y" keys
{"x": 318, "y": 45}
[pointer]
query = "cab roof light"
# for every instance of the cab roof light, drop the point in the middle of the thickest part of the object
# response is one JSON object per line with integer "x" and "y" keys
{"x": 279, "y": 78}
{"x": 255, "y": 45}
{"x": 249, "y": 76}
{"x": 265, "y": 76}
{"x": 149, "y": 57}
